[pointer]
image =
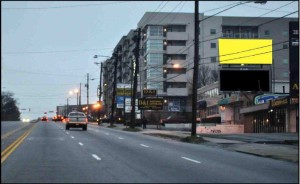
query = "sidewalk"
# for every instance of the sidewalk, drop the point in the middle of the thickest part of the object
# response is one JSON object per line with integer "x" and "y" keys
{"x": 282, "y": 146}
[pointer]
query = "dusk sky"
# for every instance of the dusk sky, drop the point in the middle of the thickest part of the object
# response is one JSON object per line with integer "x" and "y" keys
{"x": 47, "y": 47}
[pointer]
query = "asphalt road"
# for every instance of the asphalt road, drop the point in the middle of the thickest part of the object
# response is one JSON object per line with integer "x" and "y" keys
{"x": 102, "y": 155}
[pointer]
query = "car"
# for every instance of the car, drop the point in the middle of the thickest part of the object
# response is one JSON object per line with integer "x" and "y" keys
{"x": 58, "y": 118}
{"x": 173, "y": 119}
{"x": 104, "y": 120}
{"x": 76, "y": 119}
{"x": 25, "y": 120}
{"x": 44, "y": 118}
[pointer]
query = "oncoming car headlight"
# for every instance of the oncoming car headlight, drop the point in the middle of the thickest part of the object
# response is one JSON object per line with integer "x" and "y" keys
{"x": 25, "y": 120}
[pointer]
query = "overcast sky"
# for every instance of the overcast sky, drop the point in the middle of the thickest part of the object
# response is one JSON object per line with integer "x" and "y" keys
{"x": 47, "y": 47}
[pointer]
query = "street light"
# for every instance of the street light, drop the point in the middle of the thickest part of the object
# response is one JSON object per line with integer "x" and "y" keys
{"x": 100, "y": 83}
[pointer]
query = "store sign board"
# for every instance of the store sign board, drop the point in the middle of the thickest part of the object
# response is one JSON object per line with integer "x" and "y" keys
{"x": 150, "y": 103}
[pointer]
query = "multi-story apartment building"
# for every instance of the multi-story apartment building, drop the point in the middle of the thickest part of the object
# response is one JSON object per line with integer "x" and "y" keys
{"x": 167, "y": 57}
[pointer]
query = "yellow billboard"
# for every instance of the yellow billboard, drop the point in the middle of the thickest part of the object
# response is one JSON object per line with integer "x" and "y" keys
{"x": 245, "y": 51}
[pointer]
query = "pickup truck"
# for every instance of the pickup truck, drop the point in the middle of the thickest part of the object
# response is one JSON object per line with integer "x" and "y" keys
{"x": 76, "y": 119}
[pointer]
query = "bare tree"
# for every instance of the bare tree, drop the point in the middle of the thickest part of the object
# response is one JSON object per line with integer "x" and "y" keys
{"x": 204, "y": 75}
{"x": 214, "y": 76}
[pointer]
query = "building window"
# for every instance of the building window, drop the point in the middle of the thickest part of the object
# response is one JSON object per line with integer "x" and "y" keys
{"x": 213, "y": 31}
{"x": 285, "y": 61}
{"x": 154, "y": 59}
{"x": 284, "y": 33}
{"x": 267, "y": 33}
{"x": 213, "y": 59}
{"x": 177, "y": 56}
{"x": 154, "y": 45}
{"x": 285, "y": 74}
{"x": 155, "y": 31}
{"x": 176, "y": 85}
{"x": 176, "y": 43}
{"x": 285, "y": 46}
{"x": 213, "y": 45}
{"x": 176, "y": 28}
{"x": 176, "y": 70}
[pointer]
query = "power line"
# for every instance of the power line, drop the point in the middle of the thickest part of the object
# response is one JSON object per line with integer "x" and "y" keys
{"x": 224, "y": 60}
{"x": 70, "y": 6}
{"x": 266, "y": 8}
{"x": 244, "y": 23}
{"x": 49, "y": 52}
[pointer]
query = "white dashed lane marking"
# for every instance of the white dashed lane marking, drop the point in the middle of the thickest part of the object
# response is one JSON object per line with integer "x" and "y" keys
{"x": 106, "y": 133}
{"x": 191, "y": 160}
{"x": 144, "y": 145}
{"x": 96, "y": 157}
{"x": 80, "y": 144}
{"x": 120, "y": 138}
{"x": 72, "y": 137}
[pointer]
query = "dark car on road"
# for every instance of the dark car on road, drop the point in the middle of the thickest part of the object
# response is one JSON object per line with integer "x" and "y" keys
{"x": 44, "y": 118}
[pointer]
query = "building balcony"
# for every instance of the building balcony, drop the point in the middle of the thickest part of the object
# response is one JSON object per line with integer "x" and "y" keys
{"x": 176, "y": 78}
{"x": 177, "y": 36}
{"x": 177, "y": 92}
{"x": 179, "y": 63}
{"x": 177, "y": 50}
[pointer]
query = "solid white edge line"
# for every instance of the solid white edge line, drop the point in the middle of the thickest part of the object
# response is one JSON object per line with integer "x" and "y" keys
{"x": 144, "y": 145}
{"x": 191, "y": 160}
{"x": 96, "y": 157}
{"x": 80, "y": 143}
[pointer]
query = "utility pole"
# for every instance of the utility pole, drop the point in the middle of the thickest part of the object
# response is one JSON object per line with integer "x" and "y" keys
{"x": 80, "y": 109}
{"x": 137, "y": 55}
{"x": 67, "y": 106}
{"x": 87, "y": 94}
{"x": 100, "y": 92}
{"x": 116, "y": 57}
{"x": 196, "y": 68}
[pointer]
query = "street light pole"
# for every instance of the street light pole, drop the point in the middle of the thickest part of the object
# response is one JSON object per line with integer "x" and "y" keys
{"x": 100, "y": 83}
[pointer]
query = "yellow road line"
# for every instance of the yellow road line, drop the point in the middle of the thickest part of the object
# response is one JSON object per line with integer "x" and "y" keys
{"x": 12, "y": 132}
{"x": 14, "y": 145}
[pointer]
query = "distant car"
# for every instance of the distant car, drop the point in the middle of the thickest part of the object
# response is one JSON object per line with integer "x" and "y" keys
{"x": 104, "y": 120}
{"x": 76, "y": 119}
{"x": 44, "y": 118}
{"x": 58, "y": 118}
{"x": 173, "y": 119}
{"x": 25, "y": 120}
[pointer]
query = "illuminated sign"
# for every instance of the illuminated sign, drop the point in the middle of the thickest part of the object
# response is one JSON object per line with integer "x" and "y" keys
{"x": 279, "y": 102}
{"x": 245, "y": 51}
{"x": 149, "y": 92}
{"x": 150, "y": 103}
{"x": 123, "y": 92}
{"x": 260, "y": 99}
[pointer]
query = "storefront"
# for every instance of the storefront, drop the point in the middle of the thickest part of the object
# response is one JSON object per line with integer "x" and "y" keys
{"x": 276, "y": 116}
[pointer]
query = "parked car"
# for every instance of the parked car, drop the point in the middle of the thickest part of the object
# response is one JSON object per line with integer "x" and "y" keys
{"x": 76, "y": 119}
{"x": 173, "y": 119}
{"x": 44, "y": 118}
{"x": 104, "y": 120}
